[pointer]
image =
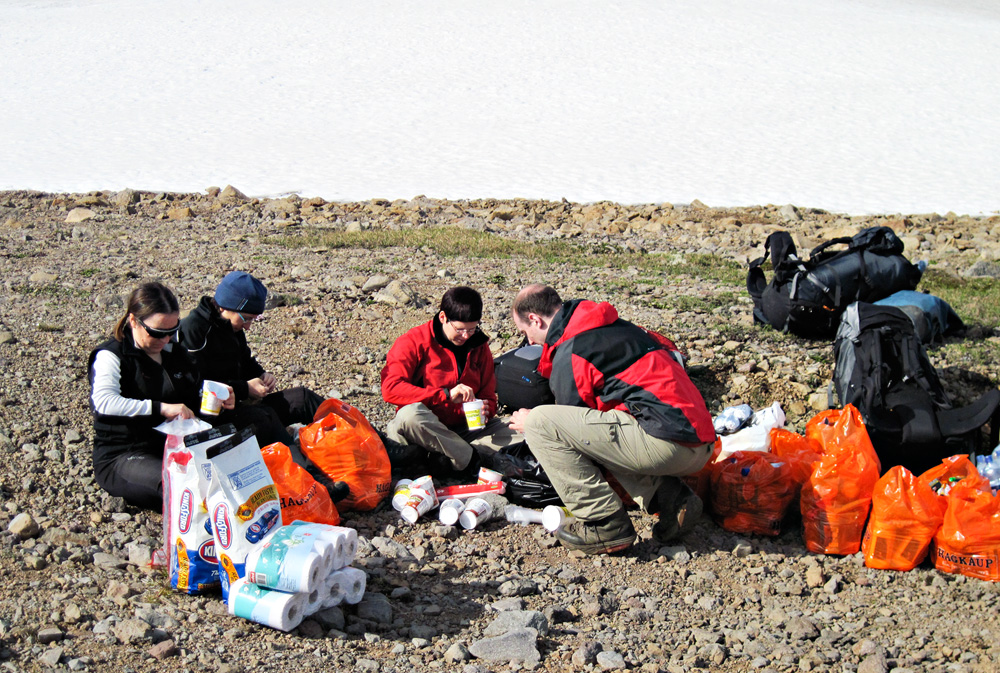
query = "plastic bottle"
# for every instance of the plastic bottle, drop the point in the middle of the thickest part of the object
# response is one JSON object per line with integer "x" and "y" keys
{"x": 732, "y": 419}
{"x": 522, "y": 515}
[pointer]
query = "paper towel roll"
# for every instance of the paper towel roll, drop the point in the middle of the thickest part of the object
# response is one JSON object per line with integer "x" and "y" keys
{"x": 314, "y": 600}
{"x": 355, "y": 580}
{"x": 333, "y": 590}
{"x": 328, "y": 552}
{"x": 295, "y": 569}
{"x": 350, "y": 544}
{"x": 276, "y": 609}
{"x": 344, "y": 539}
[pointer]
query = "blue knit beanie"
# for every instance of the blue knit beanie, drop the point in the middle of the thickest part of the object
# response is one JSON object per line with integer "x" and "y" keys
{"x": 239, "y": 291}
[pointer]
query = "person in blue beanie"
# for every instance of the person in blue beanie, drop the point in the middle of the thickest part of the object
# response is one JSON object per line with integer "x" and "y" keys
{"x": 215, "y": 335}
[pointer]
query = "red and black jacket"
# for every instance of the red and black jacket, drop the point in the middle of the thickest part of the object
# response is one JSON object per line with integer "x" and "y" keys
{"x": 594, "y": 359}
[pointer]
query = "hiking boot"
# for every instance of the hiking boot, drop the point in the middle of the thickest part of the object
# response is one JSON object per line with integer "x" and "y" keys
{"x": 402, "y": 455}
{"x": 680, "y": 512}
{"x": 442, "y": 467}
{"x": 604, "y": 536}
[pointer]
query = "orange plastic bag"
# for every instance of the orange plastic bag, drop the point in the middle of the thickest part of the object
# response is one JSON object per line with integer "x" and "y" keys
{"x": 751, "y": 492}
{"x": 906, "y": 512}
{"x": 801, "y": 453}
{"x": 968, "y": 542}
{"x": 343, "y": 444}
{"x": 955, "y": 466}
{"x": 302, "y": 497}
{"x": 838, "y": 494}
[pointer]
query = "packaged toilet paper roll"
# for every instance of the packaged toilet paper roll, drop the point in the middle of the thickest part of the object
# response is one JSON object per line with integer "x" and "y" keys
{"x": 333, "y": 590}
{"x": 276, "y": 609}
{"x": 353, "y": 582}
{"x": 287, "y": 564}
{"x": 314, "y": 600}
{"x": 345, "y": 540}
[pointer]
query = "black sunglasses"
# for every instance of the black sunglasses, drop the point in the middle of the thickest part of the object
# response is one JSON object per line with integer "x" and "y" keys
{"x": 159, "y": 333}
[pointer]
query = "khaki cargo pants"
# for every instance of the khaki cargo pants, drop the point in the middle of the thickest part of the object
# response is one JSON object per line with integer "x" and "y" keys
{"x": 568, "y": 441}
{"x": 417, "y": 424}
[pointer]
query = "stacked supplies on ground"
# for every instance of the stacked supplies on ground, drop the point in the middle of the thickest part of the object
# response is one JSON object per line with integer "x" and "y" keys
{"x": 297, "y": 570}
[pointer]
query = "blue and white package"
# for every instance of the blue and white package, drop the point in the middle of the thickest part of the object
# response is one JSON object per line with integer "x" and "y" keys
{"x": 243, "y": 503}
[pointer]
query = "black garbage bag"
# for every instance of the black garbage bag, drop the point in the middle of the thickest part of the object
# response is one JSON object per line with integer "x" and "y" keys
{"x": 527, "y": 483}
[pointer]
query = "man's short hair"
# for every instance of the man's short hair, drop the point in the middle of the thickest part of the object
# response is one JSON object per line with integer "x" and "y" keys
{"x": 539, "y": 299}
{"x": 462, "y": 304}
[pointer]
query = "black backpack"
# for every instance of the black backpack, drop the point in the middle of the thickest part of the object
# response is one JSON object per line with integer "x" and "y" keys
{"x": 883, "y": 370}
{"x": 807, "y": 297}
{"x": 519, "y": 385}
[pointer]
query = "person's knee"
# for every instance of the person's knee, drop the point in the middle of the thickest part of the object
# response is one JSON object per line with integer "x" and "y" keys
{"x": 536, "y": 425}
{"x": 410, "y": 416}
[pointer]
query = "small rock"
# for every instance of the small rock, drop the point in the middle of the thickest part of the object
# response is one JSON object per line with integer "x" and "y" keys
{"x": 230, "y": 193}
{"x": 42, "y": 276}
{"x": 517, "y": 619}
{"x": 110, "y": 561}
{"x": 23, "y": 526}
{"x": 139, "y": 554}
{"x": 51, "y": 657}
{"x": 161, "y": 651}
{"x": 457, "y": 652}
{"x": 520, "y": 645}
{"x": 874, "y": 663}
{"x": 50, "y": 634}
{"x": 983, "y": 269}
{"x": 80, "y": 215}
{"x": 376, "y": 282}
{"x": 789, "y": 213}
{"x": 310, "y": 629}
{"x": 814, "y": 576}
{"x": 132, "y": 631}
{"x": 586, "y": 654}
{"x": 518, "y": 587}
{"x": 610, "y": 661}
{"x": 375, "y": 607}
{"x": 678, "y": 554}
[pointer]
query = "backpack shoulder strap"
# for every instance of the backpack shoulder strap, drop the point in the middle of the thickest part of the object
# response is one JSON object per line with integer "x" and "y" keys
{"x": 779, "y": 246}
{"x": 955, "y": 422}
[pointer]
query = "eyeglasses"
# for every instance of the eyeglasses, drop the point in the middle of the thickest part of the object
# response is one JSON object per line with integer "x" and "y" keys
{"x": 246, "y": 320}
{"x": 159, "y": 333}
{"x": 466, "y": 332}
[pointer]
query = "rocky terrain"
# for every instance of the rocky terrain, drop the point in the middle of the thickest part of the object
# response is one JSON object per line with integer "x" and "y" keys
{"x": 76, "y": 590}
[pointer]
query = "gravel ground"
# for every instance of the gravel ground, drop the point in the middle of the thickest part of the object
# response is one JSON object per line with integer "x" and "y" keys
{"x": 77, "y": 594}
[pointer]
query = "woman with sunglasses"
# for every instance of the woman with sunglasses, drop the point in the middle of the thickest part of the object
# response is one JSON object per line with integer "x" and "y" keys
{"x": 138, "y": 379}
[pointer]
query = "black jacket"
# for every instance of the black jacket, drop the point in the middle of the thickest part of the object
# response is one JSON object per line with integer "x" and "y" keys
{"x": 142, "y": 378}
{"x": 221, "y": 354}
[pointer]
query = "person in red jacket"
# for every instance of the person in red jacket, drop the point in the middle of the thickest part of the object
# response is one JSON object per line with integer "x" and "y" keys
{"x": 432, "y": 370}
{"x": 624, "y": 402}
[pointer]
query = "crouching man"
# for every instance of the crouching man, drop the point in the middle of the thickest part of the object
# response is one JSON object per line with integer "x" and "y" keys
{"x": 623, "y": 401}
{"x": 431, "y": 371}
